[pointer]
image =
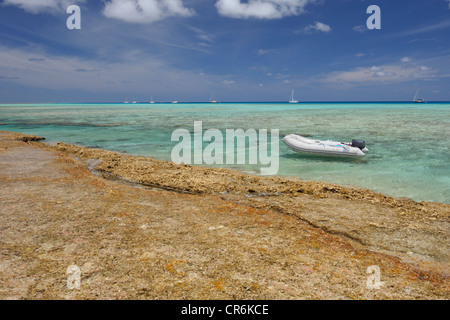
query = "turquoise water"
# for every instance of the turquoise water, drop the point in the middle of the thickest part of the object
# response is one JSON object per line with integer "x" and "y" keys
{"x": 409, "y": 143}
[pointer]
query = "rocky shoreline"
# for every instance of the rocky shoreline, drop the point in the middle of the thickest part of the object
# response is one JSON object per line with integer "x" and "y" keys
{"x": 375, "y": 219}
{"x": 277, "y": 237}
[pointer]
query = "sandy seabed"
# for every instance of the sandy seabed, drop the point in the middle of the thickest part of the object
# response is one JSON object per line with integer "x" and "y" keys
{"x": 140, "y": 228}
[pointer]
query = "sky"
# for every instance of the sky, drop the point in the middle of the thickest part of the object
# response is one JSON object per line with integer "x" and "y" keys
{"x": 228, "y": 50}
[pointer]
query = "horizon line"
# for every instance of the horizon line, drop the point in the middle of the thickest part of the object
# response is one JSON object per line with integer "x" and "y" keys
{"x": 221, "y": 102}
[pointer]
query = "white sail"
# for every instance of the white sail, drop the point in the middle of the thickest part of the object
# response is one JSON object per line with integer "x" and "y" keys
{"x": 291, "y": 100}
{"x": 416, "y": 99}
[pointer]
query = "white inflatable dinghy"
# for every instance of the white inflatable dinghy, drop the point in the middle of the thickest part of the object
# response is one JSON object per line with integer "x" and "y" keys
{"x": 325, "y": 148}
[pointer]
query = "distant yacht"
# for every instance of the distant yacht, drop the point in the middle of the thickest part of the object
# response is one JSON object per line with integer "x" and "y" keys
{"x": 151, "y": 100}
{"x": 418, "y": 100}
{"x": 174, "y": 101}
{"x": 211, "y": 100}
{"x": 291, "y": 100}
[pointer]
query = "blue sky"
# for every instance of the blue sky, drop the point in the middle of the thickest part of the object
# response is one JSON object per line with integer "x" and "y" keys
{"x": 233, "y": 50}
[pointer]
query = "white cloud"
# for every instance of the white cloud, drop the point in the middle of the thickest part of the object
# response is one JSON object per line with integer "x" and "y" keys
{"x": 319, "y": 26}
{"x": 448, "y": 3}
{"x": 360, "y": 28}
{"x": 424, "y": 68}
{"x": 37, "y": 6}
{"x": 384, "y": 73}
{"x": 316, "y": 27}
{"x": 261, "y": 9}
{"x": 228, "y": 82}
{"x": 145, "y": 11}
{"x": 405, "y": 59}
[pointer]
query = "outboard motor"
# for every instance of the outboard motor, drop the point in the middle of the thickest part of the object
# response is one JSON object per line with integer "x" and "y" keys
{"x": 361, "y": 144}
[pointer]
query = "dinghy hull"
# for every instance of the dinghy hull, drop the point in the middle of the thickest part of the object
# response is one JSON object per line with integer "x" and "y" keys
{"x": 323, "y": 148}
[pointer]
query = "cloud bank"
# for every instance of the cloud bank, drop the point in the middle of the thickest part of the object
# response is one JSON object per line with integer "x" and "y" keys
{"x": 390, "y": 73}
{"x": 145, "y": 11}
{"x": 38, "y": 6}
{"x": 261, "y": 9}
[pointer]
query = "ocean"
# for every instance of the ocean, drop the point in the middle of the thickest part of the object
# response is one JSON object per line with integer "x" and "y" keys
{"x": 409, "y": 143}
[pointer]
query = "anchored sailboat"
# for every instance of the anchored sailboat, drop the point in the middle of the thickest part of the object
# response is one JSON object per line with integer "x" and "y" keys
{"x": 416, "y": 99}
{"x": 212, "y": 100}
{"x": 291, "y": 100}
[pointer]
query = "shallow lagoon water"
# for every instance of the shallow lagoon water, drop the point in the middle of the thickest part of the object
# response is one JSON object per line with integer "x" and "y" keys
{"x": 409, "y": 143}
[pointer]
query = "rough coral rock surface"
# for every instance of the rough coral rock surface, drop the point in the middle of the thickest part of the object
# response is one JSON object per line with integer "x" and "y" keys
{"x": 147, "y": 229}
